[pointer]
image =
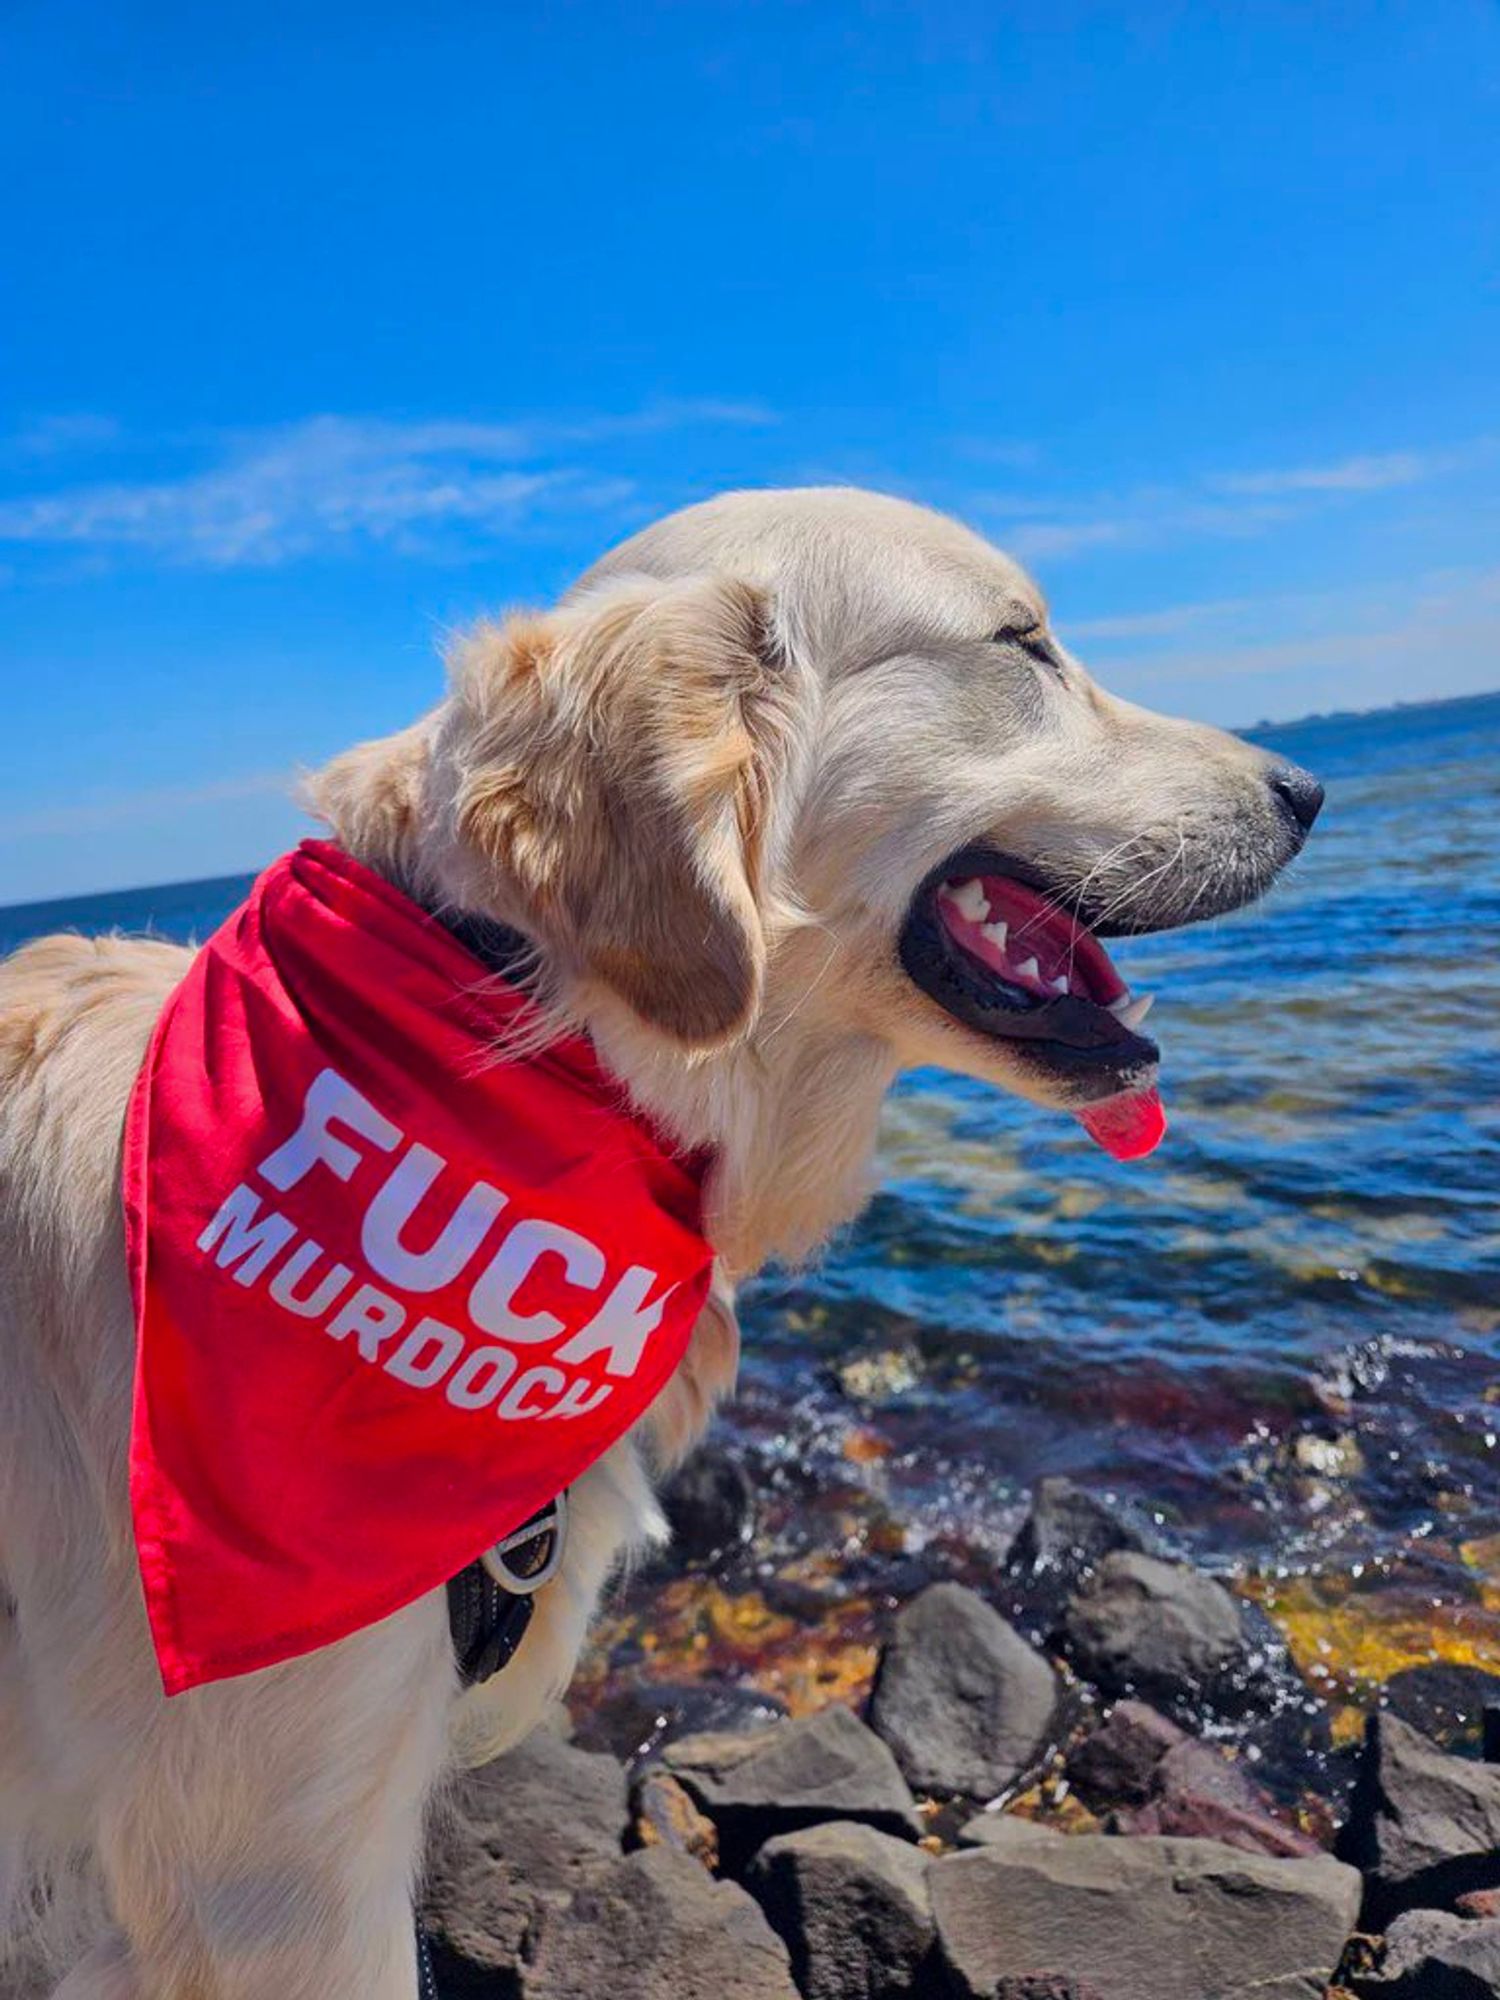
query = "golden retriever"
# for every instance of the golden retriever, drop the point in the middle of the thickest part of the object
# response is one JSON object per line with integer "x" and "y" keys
{"x": 781, "y": 795}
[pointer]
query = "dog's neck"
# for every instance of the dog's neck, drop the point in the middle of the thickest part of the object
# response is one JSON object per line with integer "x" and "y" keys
{"x": 790, "y": 1116}
{"x": 790, "y": 1111}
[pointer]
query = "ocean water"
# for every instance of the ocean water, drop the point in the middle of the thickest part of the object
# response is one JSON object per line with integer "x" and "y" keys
{"x": 1280, "y": 1335}
{"x": 1314, "y": 1252}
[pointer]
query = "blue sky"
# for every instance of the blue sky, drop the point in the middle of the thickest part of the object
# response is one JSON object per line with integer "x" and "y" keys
{"x": 329, "y": 327}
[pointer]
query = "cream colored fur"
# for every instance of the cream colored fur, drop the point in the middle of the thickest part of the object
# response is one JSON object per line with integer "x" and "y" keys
{"x": 705, "y": 787}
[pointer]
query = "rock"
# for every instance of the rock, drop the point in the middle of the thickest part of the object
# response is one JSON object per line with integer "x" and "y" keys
{"x": 517, "y": 1837}
{"x": 709, "y": 1503}
{"x": 1424, "y": 1826}
{"x": 1140, "y": 1919}
{"x": 1163, "y": 1781}
{"x": 853, "y": 1908}
{"x": 1198, "y": 1792}
{"x": 655, "y": 1926}
{"x": 1430, "y": 1955}
{"x": 1445, "y": 1701}
{"x": 1209, "y": 1819}
{"x": 715, "y": 1750}
{"x": 1046, "y": 1986}
{"x": 1198, "y": 1770}
{"x": 1117, "y": 1764}
{"x": 663, "y": 1815}
{"x": 960, "y": 1697}
{"x": 1001, "y": 1829}
{"x": 1067, "y": 1533}
{"x": 798, "y": 1774}
{"x": 1070, "y": 1529}
{"x": 1159, "y": 1630}
{"x": 639, "y": 1717}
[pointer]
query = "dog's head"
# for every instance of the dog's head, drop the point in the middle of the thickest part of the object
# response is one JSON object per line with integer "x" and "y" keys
{"x": 817, "y": 756}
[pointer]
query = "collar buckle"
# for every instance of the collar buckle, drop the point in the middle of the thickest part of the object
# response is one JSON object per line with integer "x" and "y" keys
{"x": 523, "y": 1561}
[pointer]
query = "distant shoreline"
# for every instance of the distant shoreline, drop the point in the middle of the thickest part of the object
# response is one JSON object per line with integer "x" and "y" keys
{"x": 1328, "y": 716}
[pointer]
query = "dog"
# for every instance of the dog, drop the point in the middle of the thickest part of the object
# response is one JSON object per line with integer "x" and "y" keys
{"x": 791, "y": 792}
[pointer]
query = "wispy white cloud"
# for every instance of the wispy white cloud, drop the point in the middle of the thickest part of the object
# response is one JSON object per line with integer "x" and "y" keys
{"x": 1370, "y": 473}
{"x": 1216, "y": 505}
{"x": 1286, "y": 654}
{"x": 1164, "y": 623}
{"x": 104, "y": 813}
{"x": 332, "y": 482}
{"x": 1142, "y": 519}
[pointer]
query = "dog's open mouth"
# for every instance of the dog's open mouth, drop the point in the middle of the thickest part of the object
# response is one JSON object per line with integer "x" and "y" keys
{"x": 1004, "y": 958}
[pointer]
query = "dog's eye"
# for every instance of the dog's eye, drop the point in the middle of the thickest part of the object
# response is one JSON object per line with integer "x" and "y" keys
{"x": 1033, "y": 642}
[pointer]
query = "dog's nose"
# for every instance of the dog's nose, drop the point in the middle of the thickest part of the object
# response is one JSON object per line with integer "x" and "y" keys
{"x": 1299, "y": 793}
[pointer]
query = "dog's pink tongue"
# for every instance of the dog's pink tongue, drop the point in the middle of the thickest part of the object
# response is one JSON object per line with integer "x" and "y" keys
{"x": 1129, "y": 1127}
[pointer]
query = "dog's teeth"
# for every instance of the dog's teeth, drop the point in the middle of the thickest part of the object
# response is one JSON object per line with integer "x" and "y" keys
{"x": 969, "y": 899}
{"x": 1135, "y": 1011}
{"x": 996, "y": 933}
{"x": 1030, "y": 970}
{"x": 1060, "y": 984}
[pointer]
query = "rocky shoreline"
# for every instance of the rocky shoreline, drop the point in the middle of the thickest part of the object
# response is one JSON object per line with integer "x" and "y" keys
{"x": 1051, "y": 1792}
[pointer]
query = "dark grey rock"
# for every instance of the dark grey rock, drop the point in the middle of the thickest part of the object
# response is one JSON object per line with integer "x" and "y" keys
{"x": 1002, "y": 1829}
{"x": 1140, "y": 1919}
{"x": 638, "y": 1717}
{"x": 514, "y": 1838}
{"x": 1432, "y": 1955}
{"x": 1424, "y": 1826}
{"x": 853, "y": 1908}
{"x": 797, "y": 1774}
{"x": 1117, "y": 1764}
{"x": 963, "y": 1701}
{"x": 1160, "y": 1630}
{"x": 709, "y": 1503}
{"x": 1069, "y": 1531}
{"x": 1046, "y": 1986}
{"x": 655, "y": 1926}
{"x": 1444, "y": 1700}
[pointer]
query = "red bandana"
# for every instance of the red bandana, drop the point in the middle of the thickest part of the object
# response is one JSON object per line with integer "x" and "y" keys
{"x": 392, "y": 1293}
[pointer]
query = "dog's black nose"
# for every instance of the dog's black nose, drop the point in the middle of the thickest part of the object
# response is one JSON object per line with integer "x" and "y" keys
{"x": 1299, "y": 792}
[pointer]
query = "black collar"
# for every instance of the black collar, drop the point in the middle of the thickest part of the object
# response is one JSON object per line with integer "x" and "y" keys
{"x": 496, "y": 946}
{"x": 490, "y": 1602}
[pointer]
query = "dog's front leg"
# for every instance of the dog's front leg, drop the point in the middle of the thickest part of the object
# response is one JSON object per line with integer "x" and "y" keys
{"x": 262, "y": 1841}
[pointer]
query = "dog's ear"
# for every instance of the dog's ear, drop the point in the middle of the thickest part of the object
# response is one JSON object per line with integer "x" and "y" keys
{"x": 616, "y": 766}
{"x": 372, "y": 798}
